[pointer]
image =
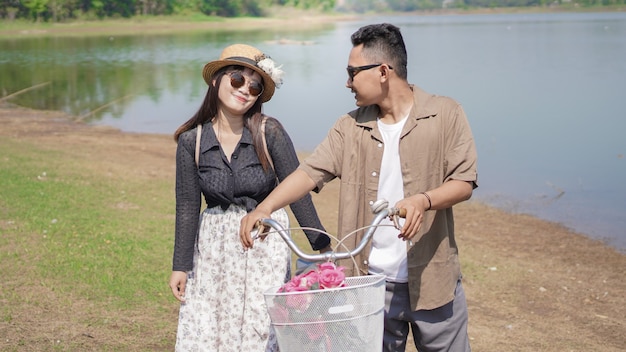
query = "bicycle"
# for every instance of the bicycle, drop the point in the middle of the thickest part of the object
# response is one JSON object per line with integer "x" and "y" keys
{"x": 341, "y": 319}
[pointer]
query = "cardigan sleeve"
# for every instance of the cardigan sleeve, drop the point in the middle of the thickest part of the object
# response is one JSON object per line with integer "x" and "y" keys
{"x": 285, "y": 159}
{"x": 188, "y": 202}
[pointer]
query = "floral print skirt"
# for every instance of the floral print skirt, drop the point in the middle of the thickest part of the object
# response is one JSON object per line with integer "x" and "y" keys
{"x": 224, "y": 307}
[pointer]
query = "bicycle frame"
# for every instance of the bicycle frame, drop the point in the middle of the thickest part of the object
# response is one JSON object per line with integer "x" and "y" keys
{"x": 380, "y": 208}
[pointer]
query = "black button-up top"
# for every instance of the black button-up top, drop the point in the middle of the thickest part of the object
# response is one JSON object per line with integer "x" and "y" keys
{"x": 242, "y": 181}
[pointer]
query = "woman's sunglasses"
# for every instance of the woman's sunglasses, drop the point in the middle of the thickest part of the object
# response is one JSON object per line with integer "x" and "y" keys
{"x": 237, "y": 80}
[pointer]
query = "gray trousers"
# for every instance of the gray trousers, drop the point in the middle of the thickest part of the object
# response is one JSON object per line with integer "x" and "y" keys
{"x": 440, "y": 329}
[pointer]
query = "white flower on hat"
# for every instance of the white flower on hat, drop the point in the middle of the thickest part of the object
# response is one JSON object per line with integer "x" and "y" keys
{"x": 269, "y": 66}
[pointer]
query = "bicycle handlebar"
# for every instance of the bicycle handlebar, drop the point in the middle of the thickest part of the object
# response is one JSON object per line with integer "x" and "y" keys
{"x": 380, "y": 208}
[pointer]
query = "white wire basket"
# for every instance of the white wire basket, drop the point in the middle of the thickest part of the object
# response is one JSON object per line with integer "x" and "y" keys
{"x": 342, "y": 319}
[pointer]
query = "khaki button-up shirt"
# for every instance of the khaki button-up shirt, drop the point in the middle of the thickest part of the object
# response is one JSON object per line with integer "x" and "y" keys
{"x": 436, "y": 145}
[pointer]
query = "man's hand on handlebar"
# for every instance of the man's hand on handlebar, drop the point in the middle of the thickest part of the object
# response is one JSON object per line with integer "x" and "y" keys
{"x": 415, "y": 208}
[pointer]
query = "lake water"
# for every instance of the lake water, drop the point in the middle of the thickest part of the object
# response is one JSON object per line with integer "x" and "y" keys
{"x": 544, "y": 94}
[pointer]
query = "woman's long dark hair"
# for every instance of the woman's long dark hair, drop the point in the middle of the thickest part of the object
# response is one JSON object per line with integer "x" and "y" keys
{"x": 252, "y": 119}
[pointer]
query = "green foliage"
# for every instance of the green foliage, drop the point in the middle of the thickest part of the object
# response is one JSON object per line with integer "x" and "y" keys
{"x": 65, "y": 10}
{"x": 363, "y": 6}
{"x": 324, "y": 5}
{"x": 36, "y": 8}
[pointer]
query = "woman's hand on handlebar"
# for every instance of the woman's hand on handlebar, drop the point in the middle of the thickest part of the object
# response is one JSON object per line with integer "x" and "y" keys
{"x": 415, "y": 208}
{"x": 248, "y": 223}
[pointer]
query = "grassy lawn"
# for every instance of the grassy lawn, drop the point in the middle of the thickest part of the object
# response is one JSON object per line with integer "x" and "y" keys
{"x": 85, "y": 247}
{"x": 95, "y": 240}
{"x": 84, "y": 227}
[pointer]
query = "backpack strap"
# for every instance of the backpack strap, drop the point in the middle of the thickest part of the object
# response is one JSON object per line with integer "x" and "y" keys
{"x": 198, "y": 134}
{"x": 267, "y": 153}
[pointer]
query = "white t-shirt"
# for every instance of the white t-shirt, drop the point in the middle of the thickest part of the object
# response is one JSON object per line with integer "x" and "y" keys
{"x": 388, "y": 254}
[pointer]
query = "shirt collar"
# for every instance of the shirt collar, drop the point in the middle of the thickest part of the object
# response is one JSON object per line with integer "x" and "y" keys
{"x": 422, "y": 108}
{"x": 209, "y": 139}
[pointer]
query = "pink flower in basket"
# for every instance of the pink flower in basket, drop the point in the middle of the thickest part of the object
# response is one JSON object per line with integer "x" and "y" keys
{"x": 326, "y": 275}
{"x": 279, "y": 313}
{"x": 298, "y": 302}
{"x": 306, "y": 281}
{"x": 316, "y": 330}
{"x": 331, "y": 276}
{"x": 309, "y": 314}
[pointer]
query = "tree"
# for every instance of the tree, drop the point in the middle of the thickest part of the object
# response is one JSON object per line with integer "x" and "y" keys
{"x": 36, "y": 8}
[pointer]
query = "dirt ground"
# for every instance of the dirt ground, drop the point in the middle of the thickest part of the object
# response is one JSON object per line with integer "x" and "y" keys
{"x": 531, "y": 285}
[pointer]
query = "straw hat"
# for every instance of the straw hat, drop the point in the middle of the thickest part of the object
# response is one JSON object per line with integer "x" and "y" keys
{"x": 250, "y": 57}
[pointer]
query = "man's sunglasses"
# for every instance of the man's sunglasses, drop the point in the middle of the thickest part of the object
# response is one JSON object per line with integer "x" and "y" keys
{"x": 237, "y": 80}
{"x": 353, "y": 71}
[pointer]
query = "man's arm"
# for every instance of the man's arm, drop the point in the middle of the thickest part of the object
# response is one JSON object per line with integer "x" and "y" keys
{"x": 445, "y": 196}
{"x": 291, "y": 189}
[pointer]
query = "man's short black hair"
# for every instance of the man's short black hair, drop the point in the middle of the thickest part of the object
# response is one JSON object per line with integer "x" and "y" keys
{"x": 383, "y": 43}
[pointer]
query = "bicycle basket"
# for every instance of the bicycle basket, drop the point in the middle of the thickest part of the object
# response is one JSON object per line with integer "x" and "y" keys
{"x": 343, "y": 319}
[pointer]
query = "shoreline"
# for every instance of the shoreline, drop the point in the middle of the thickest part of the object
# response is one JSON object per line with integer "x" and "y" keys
{"x": 280, "y": 19}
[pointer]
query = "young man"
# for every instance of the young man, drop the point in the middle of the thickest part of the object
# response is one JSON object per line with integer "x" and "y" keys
{"x": 415, "y": 150}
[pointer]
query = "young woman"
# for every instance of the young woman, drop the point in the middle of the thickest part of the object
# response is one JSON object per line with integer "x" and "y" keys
{"x": 219, "y": 284}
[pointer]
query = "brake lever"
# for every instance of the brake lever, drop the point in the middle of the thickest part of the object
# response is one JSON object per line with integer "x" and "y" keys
{"x": 394, "y": 214}
{"x": 258, "y": 231}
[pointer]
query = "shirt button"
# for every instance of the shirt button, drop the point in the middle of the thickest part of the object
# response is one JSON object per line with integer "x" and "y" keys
{"x": 234, "y": 156}
{"x": 374, "y": 174}
{"x": 371, "y": 202}
{"x": 365, "y": 262}
{"x": 230, "y": 174}
{"x": 380, "y": 145}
